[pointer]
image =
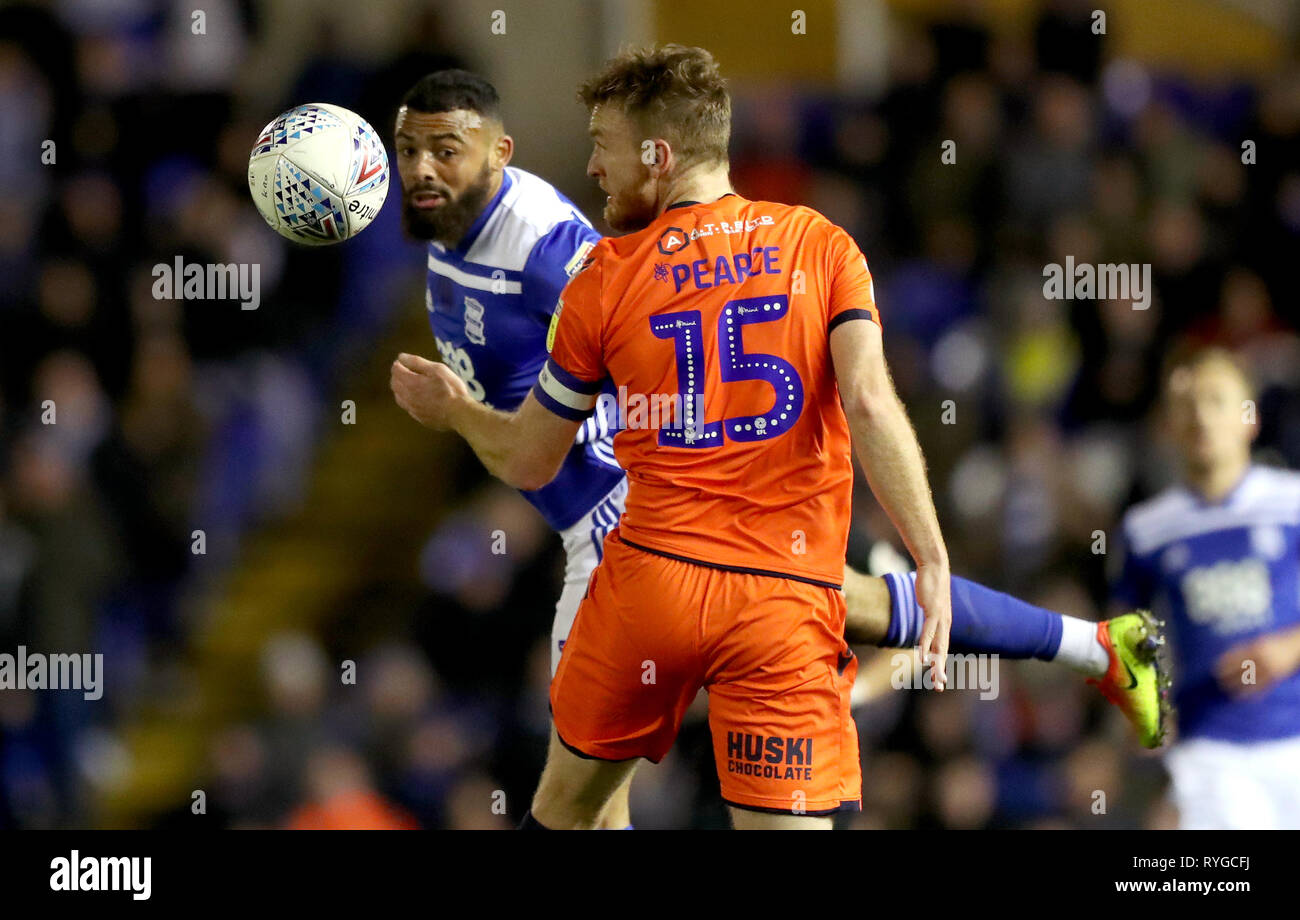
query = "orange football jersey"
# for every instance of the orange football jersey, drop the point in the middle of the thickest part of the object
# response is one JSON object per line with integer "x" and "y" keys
{"x": 713, "y": 325}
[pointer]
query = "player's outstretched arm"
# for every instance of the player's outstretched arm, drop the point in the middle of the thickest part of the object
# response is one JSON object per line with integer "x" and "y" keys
{"x": 523, "y": 449}
{"x": 891, "y": 457}
{"x": 1257, "y": 664}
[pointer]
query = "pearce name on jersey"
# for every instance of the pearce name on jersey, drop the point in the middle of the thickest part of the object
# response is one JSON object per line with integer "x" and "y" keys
{"x": 1221, "y": 573}
{"x": 490, "y": 301}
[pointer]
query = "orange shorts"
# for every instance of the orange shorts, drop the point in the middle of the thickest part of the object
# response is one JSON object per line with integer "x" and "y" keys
{"x": 770, "y": 651}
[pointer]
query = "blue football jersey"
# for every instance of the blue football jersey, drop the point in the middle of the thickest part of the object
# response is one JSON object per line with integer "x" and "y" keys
{"x": 490, "y": 302}
{"x": 1220, "y": 574}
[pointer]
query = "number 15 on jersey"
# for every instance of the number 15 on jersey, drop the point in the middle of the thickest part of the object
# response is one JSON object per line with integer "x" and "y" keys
{"x": 685, "y": 328}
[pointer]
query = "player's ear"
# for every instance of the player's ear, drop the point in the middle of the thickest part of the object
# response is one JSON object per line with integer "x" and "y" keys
{"x": 657, "y": 155}
{"x": 502, "y": 151}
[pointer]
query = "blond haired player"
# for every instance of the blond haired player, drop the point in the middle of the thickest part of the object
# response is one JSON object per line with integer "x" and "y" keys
{"x": 1219, "y": 556}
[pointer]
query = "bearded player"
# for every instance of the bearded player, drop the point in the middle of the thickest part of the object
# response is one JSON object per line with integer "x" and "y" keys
{"x": 1219, "y": 555}
{"x": 879, "y": 611}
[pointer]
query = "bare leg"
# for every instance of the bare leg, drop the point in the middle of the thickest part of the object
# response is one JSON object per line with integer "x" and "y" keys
{"x": 867, "y": 600}
{"x": 746, "y": 820}
{"x": 617, "y": 815}
{"x": 576, "y": 793}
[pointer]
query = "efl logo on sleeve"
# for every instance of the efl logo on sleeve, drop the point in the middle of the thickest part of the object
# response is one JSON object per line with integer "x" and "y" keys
{"x": 576, "y": 264}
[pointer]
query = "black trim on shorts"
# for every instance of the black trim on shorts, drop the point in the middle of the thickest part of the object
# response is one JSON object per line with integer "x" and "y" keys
{"x": 730, "y": 568}
{"x": 851, "y": 805}
{"x": 848, "y": 315}
{"x": 585, "y": 756}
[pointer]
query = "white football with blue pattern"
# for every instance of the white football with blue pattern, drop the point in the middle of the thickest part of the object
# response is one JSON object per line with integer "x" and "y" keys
{"x": 318, "y": 174}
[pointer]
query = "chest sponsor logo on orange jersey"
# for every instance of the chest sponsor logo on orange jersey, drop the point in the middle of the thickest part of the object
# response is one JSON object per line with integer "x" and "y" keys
{"x": 671, "y": 240}
{"x": 674, "y": 239}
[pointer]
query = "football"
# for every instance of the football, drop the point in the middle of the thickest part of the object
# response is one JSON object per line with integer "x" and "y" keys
{"x": 318, "y": 174}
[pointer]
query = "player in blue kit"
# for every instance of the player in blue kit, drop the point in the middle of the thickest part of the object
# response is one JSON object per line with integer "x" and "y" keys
{"x": 1220, "y": 557}
{"x": 503, "y": 244}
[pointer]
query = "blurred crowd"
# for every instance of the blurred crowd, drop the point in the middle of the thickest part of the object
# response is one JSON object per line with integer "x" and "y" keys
{"x": 1038, "y": 416}
{"x": 128, "y": 423}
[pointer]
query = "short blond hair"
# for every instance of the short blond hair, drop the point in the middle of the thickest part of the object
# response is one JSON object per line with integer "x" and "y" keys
{"x": 671, "y": 91}
{"x": 1194, "y": 358}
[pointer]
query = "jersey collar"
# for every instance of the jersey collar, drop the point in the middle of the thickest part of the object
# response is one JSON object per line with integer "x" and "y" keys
{"x": 687, "y": 204}
{"x": 1229, "y": 497}
{"x": 479, "y": 222}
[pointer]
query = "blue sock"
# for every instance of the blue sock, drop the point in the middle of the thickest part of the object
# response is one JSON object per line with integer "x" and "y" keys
{"x": 983, "y": 620}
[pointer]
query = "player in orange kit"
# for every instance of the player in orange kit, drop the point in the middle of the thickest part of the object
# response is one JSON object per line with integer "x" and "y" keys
{"x": 746, "y": 334}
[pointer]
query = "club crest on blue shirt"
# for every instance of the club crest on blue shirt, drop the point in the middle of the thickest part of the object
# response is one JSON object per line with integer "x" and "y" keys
{"x": 474, "y": 321}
